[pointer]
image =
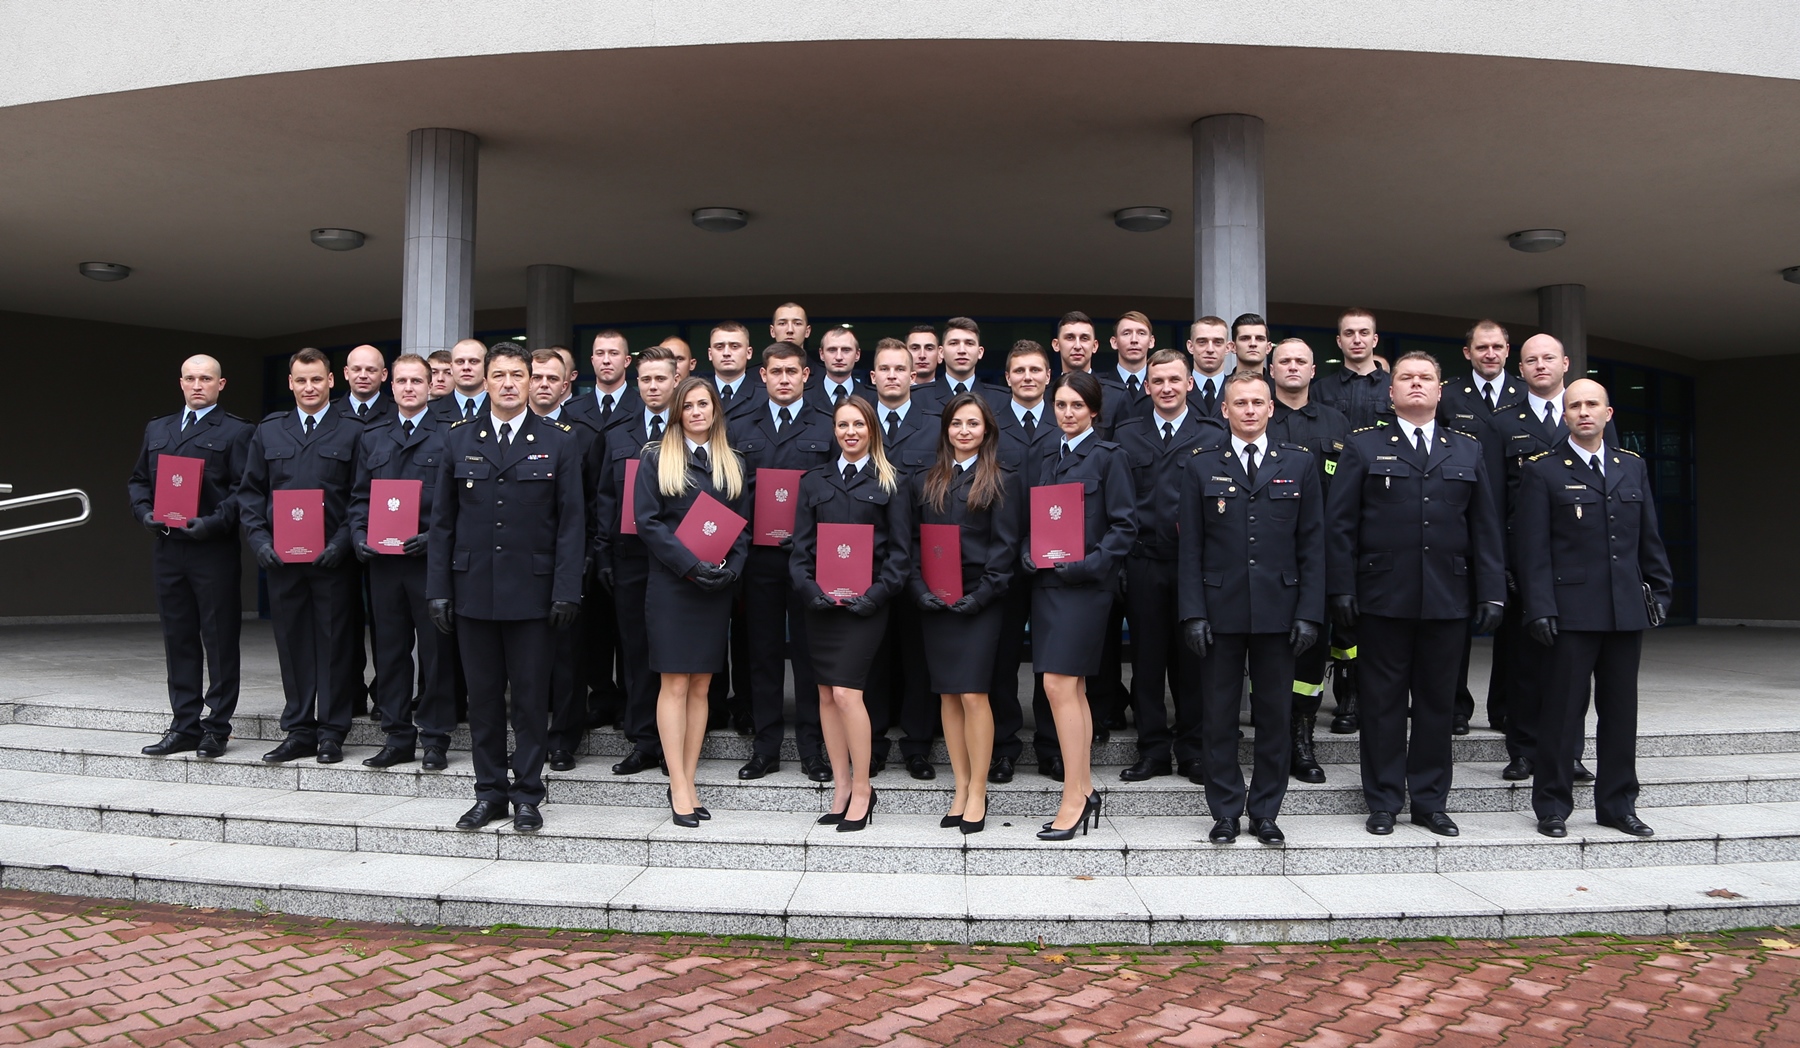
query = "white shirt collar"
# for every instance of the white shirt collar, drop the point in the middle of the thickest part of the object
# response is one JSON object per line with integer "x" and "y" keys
{"x": 462, "y": 402}
{"x": 843, "y": 462}
{"x": 950, "y": 381}
{"x": 1176, "y": 421}
{"x": 881, "y": 411}
{"x": 1020, "y": 411}
{"x": 600, "y": 396}
{"x": 401, "y": 416}
{"x": 1238, "y": 445}
{"x": 356, "y": 401}
{"x": 968, "y": 462}
{"x": 199, "y": 413}
{"x": 775, "y": 411}
{"x": 317, "y": 416}
{"x": 733, "y": 386}
{"x": 1071, "y": 443}
{"x": 1586, "y": 454}
{"x": 517, "y": 422}
{"x": 1218, "y": 382}
{"x": 553, "y": 413}
{"x": 1407, "y": 428}
{"x": 1537, "y": 406}
{"x": 1126, "y": 375}
{"x": 648, "y": 415}
{"x": 1483, "y": 385}
{"x": 692, "y": 447}
{"x": 832, "y": 387}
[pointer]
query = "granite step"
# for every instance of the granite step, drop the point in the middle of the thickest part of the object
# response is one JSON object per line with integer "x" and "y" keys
{"x": 814, "y": 905}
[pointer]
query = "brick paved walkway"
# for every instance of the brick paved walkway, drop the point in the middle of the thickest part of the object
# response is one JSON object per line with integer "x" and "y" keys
{"x": 78, "y": 971}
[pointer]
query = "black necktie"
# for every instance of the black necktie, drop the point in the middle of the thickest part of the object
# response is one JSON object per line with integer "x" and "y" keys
{"x": 1168, "y": 432}
{"x": 850, "y": 473}
{"x": 1594, "y": 464}
{"x": 310, "y": 422}
{"x": 783, "y": 419}
{"x": 656, "y": 426}
{"x": 1030, "y": 426}
{"x": 725, "y": 395}
{"x": 1212, "y": 406}
{"x": 842, "y": 394}
{"x": 606, "y": 406}
{"x": 469, "y": 408}
{"x": 506, "y": 434}
{"x": 960, "y": 388}
{"x": 362, "y": 410}
{"x": 190, "y": 420}
{"x": 1250, "y": 463}
{"x": 407, "y": 425}
{"x": 1065, "y": 452}
{"x": 1487, "y": 394}
{"x": 701, "y": 459}
{"x": 893, "y": 426}
{"x": 1550, "y": 414}
{"x": 1419, "y": 444}
{"x": 1132, "y": 385}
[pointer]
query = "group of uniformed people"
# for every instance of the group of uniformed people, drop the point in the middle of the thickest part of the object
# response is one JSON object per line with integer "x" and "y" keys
{"x": 1247, "y": 517}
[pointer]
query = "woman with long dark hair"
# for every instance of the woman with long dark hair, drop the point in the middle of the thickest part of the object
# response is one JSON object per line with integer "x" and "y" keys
{"x": 1072, "y": 598}
{"x": 843, "y": 632}
{"x": 687, "y": 602}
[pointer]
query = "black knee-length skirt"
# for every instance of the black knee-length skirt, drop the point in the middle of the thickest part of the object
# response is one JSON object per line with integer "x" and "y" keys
{"x": 688, "y": 627}
{"x": 843, "y": 645}
{"x": 1068, "y": 629}
{"x": 959, "y": 649}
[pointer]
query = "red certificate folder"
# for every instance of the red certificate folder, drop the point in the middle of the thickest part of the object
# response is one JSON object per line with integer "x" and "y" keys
{"x": 299, "y": 519}
{"x": 393, "y": 513}
{"x": 940, "y": 560}
{"x": 777, "y": 496}
{"x": 846, "y": 559}
{"x": 628, "y": 506}
{"x": 178, "y": 482}
{"x": 709, "y": 529}
{"x": 1058, "y": 528}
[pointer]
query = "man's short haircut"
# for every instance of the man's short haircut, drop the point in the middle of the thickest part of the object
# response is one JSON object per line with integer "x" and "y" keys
{"x": 962, "y": 324}
{"x": 1128, "y": 315}
{"x": 1484, "y": 324}
{"x": 1419, "y": 354}
{"x": 1237, "y": 377}
{"x": 923, "y": 329}
{"x": 611, "y": 333}
{"x": 543, "y": 356}
{"x": 438, "y": 356}
{"x": 658, "y": 352}
{"x": 1073, "y": 316}
{"x": 512, "y": 351}
{"x": 1302, "y": 343}
{"x": 1026, "y": 348}
{"x": 411, "y": 359}
{"x": 1251, "y": 319}
{"x": 478, "y": 342}
{"x": 841, "y": 331}
{"x": 790, "y": 305}
{"x": 1354, "y": 311}
{"x": 892, "y": 345}
{"x": 1170, "y": 356}
{"x": 733, "y": 327}
{"x": 782, "y": 351}
{"x": 309, "y": 355}
{"x": 1210, "y": 321}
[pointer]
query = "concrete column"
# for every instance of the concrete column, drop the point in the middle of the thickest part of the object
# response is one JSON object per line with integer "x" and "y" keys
{"x": 1562, "y": 313}
{"x": 1230, "y": 274}
{"x": 437, "y": 304}
{"x": 550, "y": 307}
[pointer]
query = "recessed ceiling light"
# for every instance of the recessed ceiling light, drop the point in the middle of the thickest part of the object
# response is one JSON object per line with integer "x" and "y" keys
{"x": 104, "y": 271}
{"x": 1791, "y": 274}
{"x": 1142, "y": 219}
{"x": 721, "y": 219}
{"x": 1535, "y": 240}
{"x": 337, "y": 239}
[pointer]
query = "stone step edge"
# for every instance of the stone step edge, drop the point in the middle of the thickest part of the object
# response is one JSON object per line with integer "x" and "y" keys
{"x": 600, "y": 898}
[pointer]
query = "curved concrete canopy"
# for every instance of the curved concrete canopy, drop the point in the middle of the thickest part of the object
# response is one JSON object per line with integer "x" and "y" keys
{"x": 923, "y": 166}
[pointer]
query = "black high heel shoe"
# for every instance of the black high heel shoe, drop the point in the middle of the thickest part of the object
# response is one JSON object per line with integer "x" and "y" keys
{"x": 1091, "y": 808}
{"x": 688, "y": 821}
{"x": 949, "y": 822}
{"x": 832, "y": 818}
{"x": 849, "y": 825}
{"x": 974, "y": 825}
{"x": 1051, "y": 833}
{"x": 701, "y": 811}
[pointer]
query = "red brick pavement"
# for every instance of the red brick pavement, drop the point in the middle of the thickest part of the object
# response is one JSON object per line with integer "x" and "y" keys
{"x": 76, "y": 972}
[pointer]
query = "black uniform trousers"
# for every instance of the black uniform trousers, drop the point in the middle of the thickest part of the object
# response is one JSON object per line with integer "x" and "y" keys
{"x": 1159, "y": 656}
{"x": 399, "y": 618}
{"x": 1610, "y": 661}
{"x": 1398, "y": 660}
{"x": 1003, "y": 693}
{"x": 775, "y": 622}
{"x": 1516, "y": 684}
{"x": 898, "y": 690}
{"x": 1465, "y": 699}
{"x": 314, "y": 627}
{"x": 568, "y": 688}
{"x": 507, "y": 659}
{"x": 1271, "y": 659}
{"x": 600, "y": 654}
{"x": 729, "y": 693}
{"x": 197, "y": 598}
{"x": 637, "y": 719}
{"x": 1309, "y": 676}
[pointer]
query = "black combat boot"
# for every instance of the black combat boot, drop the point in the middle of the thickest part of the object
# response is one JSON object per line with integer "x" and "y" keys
{"x": 1343, "y": 691}
{"x": 1304, "y": 765}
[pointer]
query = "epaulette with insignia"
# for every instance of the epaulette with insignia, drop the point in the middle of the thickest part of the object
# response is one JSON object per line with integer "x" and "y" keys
{"x": 1293, "y": 447}
{"x": 461, "y": 422}
{"x": 1379, "y": 422}
{"x": 1366, "y": 429}
{"x": 1463, "y": 433}
{"x": 1628, "y": 451}
{"x": 1534, "y": 458}
{"x": 560, "y": 424}
{"x": 273, "y": 415}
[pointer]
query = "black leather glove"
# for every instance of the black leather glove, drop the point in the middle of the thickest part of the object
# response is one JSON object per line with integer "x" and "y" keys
{"x": 151, "y": 523}
{"x": 1343, "y": 611}
{"x": 1025, "y": 559}
{"x": 712, "y": 578}
{"x": 605, "y": 575}
{"x": 862, "y": 607}
{"x": 365, "y": 552}
{"x": 1487, "y": 617}
{"x": 416, "y": 546}
{"x": 563, "y": 613}
{"x": 1303, "y": 636}
{"x": 1073, "y": 571}
{"x": 824, "y": 602}
{"x": 1197, "y": 635}
{"x": 331, "y": 556}
{"x": 929, "y": 601}
{"x": 267, "y": 558}
{"x": 196, "y": 530}
{"x": 441, "y": 615}
{"x": 1542, "y": 630}
{"x": 1512, "y": 585}
{"x": 965, "y": 606}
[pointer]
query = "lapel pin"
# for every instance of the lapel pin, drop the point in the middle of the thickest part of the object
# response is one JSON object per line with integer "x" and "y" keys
{"x": 483, "y": 434}
{"x": 529, "y": 437}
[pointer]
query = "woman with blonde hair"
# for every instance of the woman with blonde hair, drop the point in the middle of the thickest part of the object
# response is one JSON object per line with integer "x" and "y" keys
{"x": 859, "y": 487}
{"x": 687, "y": 603}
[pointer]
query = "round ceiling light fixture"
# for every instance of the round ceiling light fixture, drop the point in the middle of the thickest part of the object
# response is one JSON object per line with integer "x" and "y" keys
{"x": 1142, "y": 219}
{"x": 104, "y": 271}
{"x": 721, "y": 219}
{"x": 1791, "y": 274}
{"x": 338, "y": 239}
{"x": 1533, "y": 241}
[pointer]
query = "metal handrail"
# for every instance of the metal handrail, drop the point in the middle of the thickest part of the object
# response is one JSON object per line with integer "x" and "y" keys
{"x": 37, "y": 500}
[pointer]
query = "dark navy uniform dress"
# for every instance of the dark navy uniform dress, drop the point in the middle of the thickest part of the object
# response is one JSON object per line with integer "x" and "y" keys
{"x": 843, "y": 643}
{"x": 960, "y": 645}
{"x": 688, "y": 626}
{"x": 1070, "y": 601}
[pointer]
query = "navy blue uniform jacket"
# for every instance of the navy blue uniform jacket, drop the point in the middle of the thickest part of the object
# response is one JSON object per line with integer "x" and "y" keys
{"x": 1252, "y": 555}
{"x": 282, "y": 459}
{"x": 223, "y": 440}
{"x": 1109, "y": 506}
{"x": 385, "y": 452}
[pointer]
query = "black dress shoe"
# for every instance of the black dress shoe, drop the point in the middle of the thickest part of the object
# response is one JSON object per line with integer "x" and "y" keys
{"x": 526, "y": 818}
{"x": 1437, "y": 822}
{"x": 1116, "y": 721}
{"x": 211, "y": 745}
{"x": 758, "y": 766}
{"x": 481, "y": 814}
{"x": 1000, "y": 770}
{"x": 1101, "y": 735}
{"x": 388, "y": 756}
{"x": 1145, "y": 769}
{"x": 1381, "y": 823}
{"x": 1459, "y": 726}
{"x": 561, "y": 760}
{"x": 877, "y": 765}
{"x": 435, "y": 759}
{"x": 1051, "y": 768}
{"x": 1581, "y": 772}
{"x": 171, "y": 743}
{"x": 330, "y": 752}
{"x": 1224, "y": 831}
{"x": 291, "y": 749}
{"x": 1553, "y": 828}
{"x": 1192, "y": 772}
{"x": 816, "y": 767}
{"x": 920, "y": 768}
{"x": 1517, "y": 770}
{"x": 1628, "y": 824}
{"x": 743, "y": 725}
{"x": 634, "y": 762}
{"x": 1267, "y": 832}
